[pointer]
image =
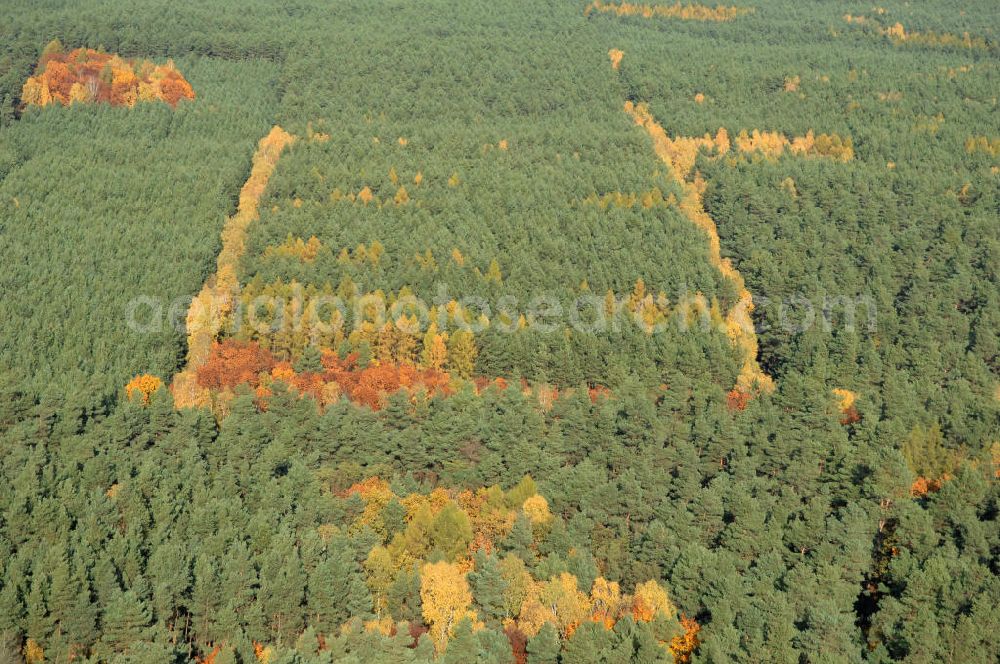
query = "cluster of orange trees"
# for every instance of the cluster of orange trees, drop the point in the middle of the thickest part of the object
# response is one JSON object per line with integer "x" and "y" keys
{"x": 233, "y": 363}
{"x": 88, "y": 76}
{"x": 286, "y": 318}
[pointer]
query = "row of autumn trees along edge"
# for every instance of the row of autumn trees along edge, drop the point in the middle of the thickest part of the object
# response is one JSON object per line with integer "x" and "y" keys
{"x": 327, "y": 377}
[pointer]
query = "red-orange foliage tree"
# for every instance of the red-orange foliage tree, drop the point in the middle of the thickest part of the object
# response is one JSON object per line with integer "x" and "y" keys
{"x": 368, "y": 386}
{"x": 173, "y": 87}
{"x": 234, "y": 362}
{"x": 683, "y": 646}
{"x": 737, "y": 400}
{"x": 518, "y": 643}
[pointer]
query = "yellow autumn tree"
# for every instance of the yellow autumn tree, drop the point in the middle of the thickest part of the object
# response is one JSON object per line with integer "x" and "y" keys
{"x": 406, "y": 344}
{"x": 606, "y": 602}
{"x": 78, "y": 93}
{"x": 462, "y": 353}
{"x": 685, "y": 12}
{"x": 533, "y": 613}
{"x": 385, "y": 344}
{"x": 445, "y": 599}
{"x": 651, "y": 599}
{"x": 616, "y": 56}
{"x": 35, "y": 92}
{"x": 380, "y": 573}
{"x": 33, "y": 652}
{"x": 558, "y": 601}
{"x": 536, "y": 508}
{"x": 372, "y": 253}
{"x": 493, "y": 272}
{"x": 846, "y": 397}
{"x": 518, "y": 583}
{"x": 434, "y": 353}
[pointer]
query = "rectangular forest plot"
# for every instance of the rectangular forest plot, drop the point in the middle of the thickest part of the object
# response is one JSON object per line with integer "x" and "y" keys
{"x": 689, "y": 12}
{"x": 296, "y": 249}
{"x": 85, "y": 75}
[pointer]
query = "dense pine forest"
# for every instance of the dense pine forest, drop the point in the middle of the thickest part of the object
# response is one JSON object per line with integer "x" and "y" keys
{"x": 501, "y": 332}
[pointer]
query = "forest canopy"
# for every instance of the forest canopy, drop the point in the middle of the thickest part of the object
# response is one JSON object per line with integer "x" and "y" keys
{"x": 292, "y": 369}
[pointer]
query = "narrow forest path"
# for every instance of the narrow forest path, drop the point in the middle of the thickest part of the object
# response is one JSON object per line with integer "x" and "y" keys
{"x": 214, "y": 302}
{"x": 679, "y": 156}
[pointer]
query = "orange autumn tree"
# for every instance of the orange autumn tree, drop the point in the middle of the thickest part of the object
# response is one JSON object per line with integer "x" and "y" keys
{"x": 85, "y": 75}
{"x": 142, "y": 387}
{"x": 684, "y": 645}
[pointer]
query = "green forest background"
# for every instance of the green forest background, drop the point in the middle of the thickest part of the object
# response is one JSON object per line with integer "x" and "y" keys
{"x": 134, "y": 532}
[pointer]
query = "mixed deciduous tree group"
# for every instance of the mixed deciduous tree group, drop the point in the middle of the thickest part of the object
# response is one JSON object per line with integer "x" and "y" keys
{"x": 84, "y": 75}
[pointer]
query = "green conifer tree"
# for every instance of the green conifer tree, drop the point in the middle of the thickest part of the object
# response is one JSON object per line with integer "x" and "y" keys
{"x": 543, "y": 648}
